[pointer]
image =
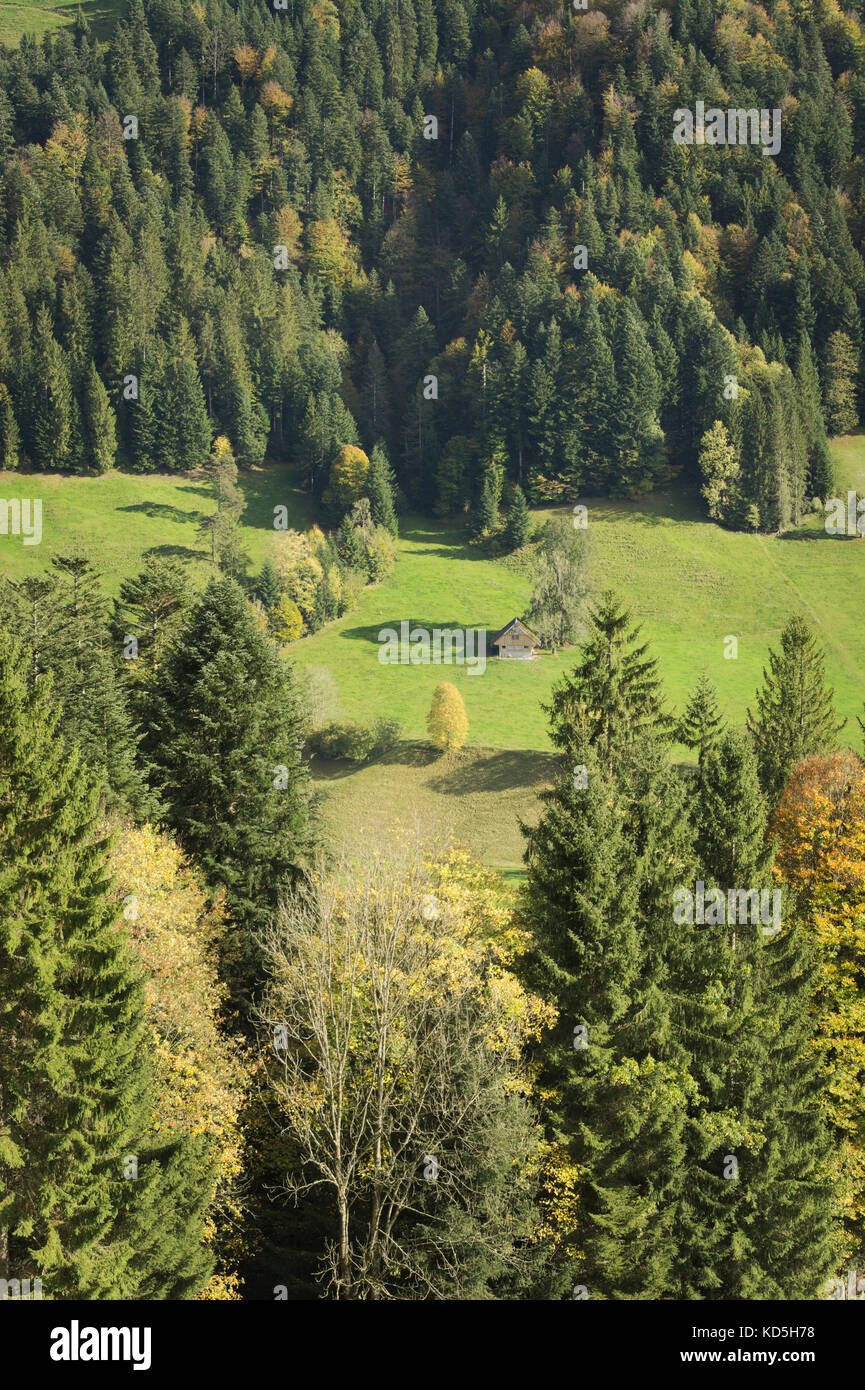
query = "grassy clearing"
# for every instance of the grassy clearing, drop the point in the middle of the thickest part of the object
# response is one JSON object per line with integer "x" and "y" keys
{"x": 473, "y": 798}
{"x": 39, "y": 17}
{"x": 690, "y": 583}
{"x": 120, "y": 517}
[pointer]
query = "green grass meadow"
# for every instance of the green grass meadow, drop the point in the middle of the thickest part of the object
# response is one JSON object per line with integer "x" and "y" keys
{"x": 39, "y": 17}
{"x": 691, "y": 585}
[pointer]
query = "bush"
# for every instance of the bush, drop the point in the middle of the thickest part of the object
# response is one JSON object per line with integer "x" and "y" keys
{"x": 354, "y": 742}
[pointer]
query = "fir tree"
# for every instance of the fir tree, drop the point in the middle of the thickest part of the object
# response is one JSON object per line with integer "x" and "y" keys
{"x": 719, "y": 469}
{"x": 613, "y": 694}
{"x": 268, "y": 589}
{"x": 485, "y": 516}
{"x": 74, "y": 1073}
{"x": 100, "y": 438}
{"x": 701, "y": 723}
{"x": 221, "y": 526}
{"x": 597, "y": 903}
{"x": 95, "y": 715}
{"x": 379, "y": 489}
{"x": 759, "y": 1143}
{"x": 518, "y": 523}
{"x": 224, "y": 736}
{"x": 795, "y": 713}
{"x": 150, "y": 608}
{"x": 349, "y": 544}
{"x": 839, "y": 375}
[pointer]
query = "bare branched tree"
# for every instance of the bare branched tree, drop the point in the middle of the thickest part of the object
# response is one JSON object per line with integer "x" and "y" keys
{"x": 394, "y": 1060}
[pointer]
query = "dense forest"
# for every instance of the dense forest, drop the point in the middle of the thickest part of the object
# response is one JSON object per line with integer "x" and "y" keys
{"x": 462, "y": 232}
{"x": 449, "y": 257}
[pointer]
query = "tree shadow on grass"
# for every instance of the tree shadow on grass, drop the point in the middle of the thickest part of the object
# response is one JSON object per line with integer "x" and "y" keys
{"x": 180, "y": 552}
{"x": 821, "y": 535}
{"x": 370, "y": 632}
{"x": 501, "y": 770}
{"x": 405, "y": 754}
{"x": 164, "y": 510}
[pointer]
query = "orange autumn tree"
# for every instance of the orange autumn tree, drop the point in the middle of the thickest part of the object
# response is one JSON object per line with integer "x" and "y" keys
{"x": 820, "y": 825}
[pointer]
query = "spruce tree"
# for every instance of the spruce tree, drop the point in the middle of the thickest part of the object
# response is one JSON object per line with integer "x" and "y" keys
{"x": 840, "y": 369}
{"x": 61, "y": 623}
{"x": 149, "y": 608}
{"x": 100, "y": 436}
{"x": 74, "y": 1070}
{"x": 758, "y": 1142}
{"x": 613, "y": 694}
{"x": 349, "y": 544}
{"x": 379, "y": 489}
{"x": 95, "y": 714}
{"x": 600, "y": 868}
{"x": 701, "y": 723}
{"x": 224, "y": 735}
{"x": 519, "y": 522}
{"x": 221, "y": 525}
{"x": 795, "y": 713}
{"x": 268, "y": 589}
{"x": 485, "y": 517}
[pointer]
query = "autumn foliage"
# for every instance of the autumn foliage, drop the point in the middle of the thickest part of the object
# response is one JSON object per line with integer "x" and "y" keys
{"x": 820, "y": 825}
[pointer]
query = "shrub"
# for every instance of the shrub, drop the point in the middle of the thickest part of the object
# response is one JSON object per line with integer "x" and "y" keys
{"x": 354, "y": 742}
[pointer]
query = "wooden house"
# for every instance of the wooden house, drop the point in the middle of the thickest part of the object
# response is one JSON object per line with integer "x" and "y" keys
{"x": 515, "y": 642}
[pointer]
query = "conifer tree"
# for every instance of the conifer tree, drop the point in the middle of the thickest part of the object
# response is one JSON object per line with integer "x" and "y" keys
{"x": 61, "y": 623}
{"x": 221, "y": 525}
{"x": 519, "y": 522}
{"x": 795, "y": 713}
{"x": 613, "y": 694}
{"x": 758, "y": 1172}
{"x": 485, "y": 516}
{"x": 100, "y": 437}
{"x": 598, "y": 904}
{"x": 187, "y": 430}
{"x": 268, "y": 589}
{"x": 95, "y": 715}
{"x": 839, "y": 376}
{"x": 224, "y": 736}
{"x": 379, "y": 489}
{"x": 74, "y": 1073}
{"x": 701, "y": 723}
{"x": 150, "y": 608}
{"x": 719, "y": 469}
{"x": 52, "y": 432}
{"x": 10, "y": 436}
{"x": 349, "y": 544}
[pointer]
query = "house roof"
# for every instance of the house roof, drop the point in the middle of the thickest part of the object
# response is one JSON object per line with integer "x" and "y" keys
{"x": 515, "y": 624}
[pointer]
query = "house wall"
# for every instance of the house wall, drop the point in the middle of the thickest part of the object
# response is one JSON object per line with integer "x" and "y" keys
{"x": 510, "y": 650}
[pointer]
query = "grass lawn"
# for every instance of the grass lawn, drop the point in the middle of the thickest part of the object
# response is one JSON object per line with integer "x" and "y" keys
{"x": 472, "y": 798}
{"x": 120, "y": 517}
{"x": 38, "y": 17}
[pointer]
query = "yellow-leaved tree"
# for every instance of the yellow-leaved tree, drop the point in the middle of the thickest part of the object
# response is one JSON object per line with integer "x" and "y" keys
{"x": 396, "y": 1036}
{"x": 200, "y": 1073}
{"x": 820, "y": 825}
{"x": 447, "y": 722}
{"x": 348, "y": 478}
